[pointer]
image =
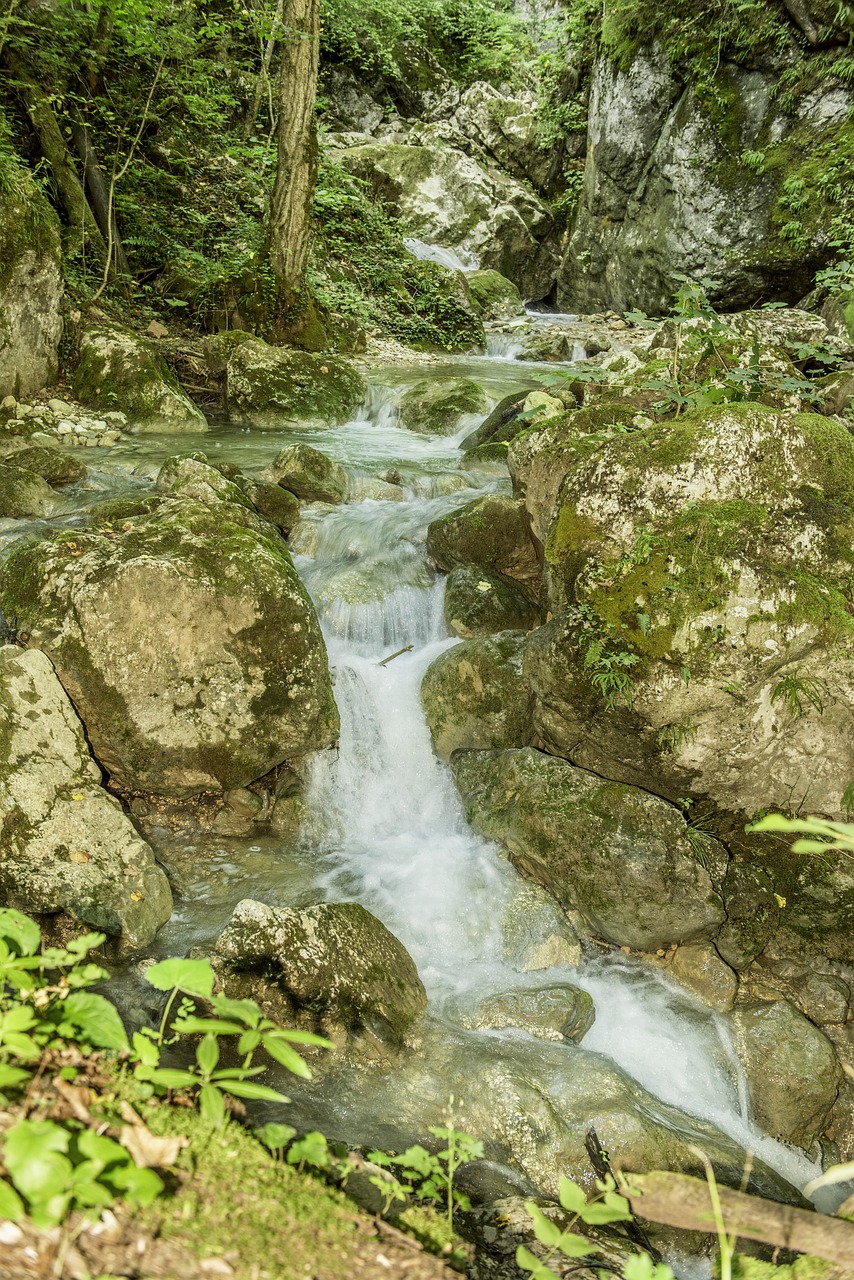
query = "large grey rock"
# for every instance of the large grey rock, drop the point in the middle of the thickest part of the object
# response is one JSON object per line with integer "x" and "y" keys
{"x": 186, "y": 641}
{"x": 474, "y": 696}
{"x": 558, "y": 1012}
{"x": 478, "y": 603}
{"x": 308, "y": 474}
{"x": 31, "y": 287}
{"x": 277, "y": 387}
{"x": 65, "y": 844}
{"x": 25, "y": 493}
{"x": 507, "y": 128}
{"x": 621, "y": 857}
{"x": 436, "y": 406}
{"x": 447, "y": 198}
{"x": 119, "y": 370}
{"x": 333, "y": 966}
{"x": 488, "y": 533}
{"x": 665, "y": 191}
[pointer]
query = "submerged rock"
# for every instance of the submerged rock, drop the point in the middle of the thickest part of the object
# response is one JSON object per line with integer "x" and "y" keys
{"x": 478, "y": 603}
{"x": 186, "y": 640}
{"x": 437, "y": 406}
{"x": 489, "y": 533}
{"x": 619, "y": 856}
{"x": 119, "y": 370}
{"x": 65, "y": 844}
{"x": 474, "y": 696}
{"x": 557, "y": 1012}
{"x": 333, "y": 967}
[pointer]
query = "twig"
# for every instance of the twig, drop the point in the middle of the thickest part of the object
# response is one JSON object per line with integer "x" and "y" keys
{"x": 391, "y": 657}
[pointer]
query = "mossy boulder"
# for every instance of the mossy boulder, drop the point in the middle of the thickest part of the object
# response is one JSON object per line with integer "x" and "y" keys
{"x": 334, "y": 968}
{"x": 793, "y": 1073}
{"x": 191, "y": 476}
{"x": 65, "y": 844}
{"x": 622, "y": 858}
{"x": 478, "y": 603}
{"x": 557, "y": 1012}
{"x": 56, "y": 466}
{"x": 31, "y": 285}
{"x": 489, "y": 533}
{"x": 493, "y": 296}
{"x": 276, "y": 387}
{"x": 119, "y": 370}
{"x": 25, "y": 493}
{"x": 186, "y": 641}
{"x": 502, "y": 422}
{"x": 474, "y": 696}
{"x": 309, "y": 474}
{"x": 275, "y": 504}
{"x": 437, "y": 406}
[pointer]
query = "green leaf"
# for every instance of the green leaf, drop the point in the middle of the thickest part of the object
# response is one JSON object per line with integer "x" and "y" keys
{"x": 145, "y": 1050}
{"x": 207, "y": 1054}
{"x": 21, "y": 930}
{"x": 572, "y": 1197}
{"x": 249, "y": 1041}
{"x": 612, "y": 1208}
{"x": 137, "y": 1186}
{"x": 34, "y": 1154}
{"x": 546, "y": 1232}
{"x": 101, "y": 1149}
{"x": 303, "y": 1037}
{"x": 171, "y": 1078}
{"x": 249, "y": 1089}
{"x": 527, "y": 1262}
{"x": 13, "y": 1077}
{"x": 19, "y": 1018}
{"x": 275, "y": 1135}
{"x": 212, "y": 1104}
{"x": 192, "y": 1026}
{"x": 286, "y": 1056}
{"x": 246, "y": 1011}
{"x": 11, "y": 1204}
{"x": 96, "y": 1018}
{"x": 312, "y": 1149}
{"x": 196, "y": 977}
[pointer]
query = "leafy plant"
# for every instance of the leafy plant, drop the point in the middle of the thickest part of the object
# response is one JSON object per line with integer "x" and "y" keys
{"x": 794, "y": 690}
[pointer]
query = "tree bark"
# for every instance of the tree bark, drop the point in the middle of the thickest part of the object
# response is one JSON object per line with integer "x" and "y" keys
{"x": 99, "y": 197}
{"x": 85, "y": 234}
{"x": 293, "y": 191}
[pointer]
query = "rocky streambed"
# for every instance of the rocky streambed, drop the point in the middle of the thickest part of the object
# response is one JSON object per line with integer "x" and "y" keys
{"x": 247, "y": 712}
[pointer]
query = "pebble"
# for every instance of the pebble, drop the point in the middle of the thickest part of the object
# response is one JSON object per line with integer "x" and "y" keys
{"x": 60, "y": 423}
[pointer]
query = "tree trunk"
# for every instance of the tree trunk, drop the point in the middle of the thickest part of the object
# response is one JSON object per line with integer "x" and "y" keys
{"x": 99, "y": 197}
{"x": 85, "y": 234}
{"x": 293, "y": 191}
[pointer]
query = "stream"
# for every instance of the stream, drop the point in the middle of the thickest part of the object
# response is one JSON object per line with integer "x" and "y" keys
{"x": 386, "y": 827}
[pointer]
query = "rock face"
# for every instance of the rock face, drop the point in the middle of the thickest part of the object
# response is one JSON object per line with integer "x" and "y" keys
{"x": 186, "y": 640}
{"x": 478, "y": 603}
{"x": 30, "y": 288}
{"x": 793, "y": 1074}
{"x": 333, "y": 966}
{"x": 619, "y": 856}
{"x": 474, "y": 696}
{"x": 65, "y": 844}
{"x": 447, "y": 198}
{"x": 119, "y": 370}
{"x": 437, "y": 407}
{"x": 276, "y": 387}
{"x": 665, "y": 192}
{"x": 489, "y": 533}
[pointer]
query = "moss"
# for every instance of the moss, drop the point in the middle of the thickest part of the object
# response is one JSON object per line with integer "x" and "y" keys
{"x": 27, "y": 222}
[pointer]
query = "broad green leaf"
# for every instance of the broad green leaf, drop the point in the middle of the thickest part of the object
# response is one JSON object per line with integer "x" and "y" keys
{"x": 612, "y": 1208}
{"x": 145, "y": 1050}
{"x": 11, "y": 1204}
{"x": 103, "y": 1151}
{"x": 249, "y": 1041}
{"x": 546, "y": 1232}
{"x": 97, "y": 1018}
{"x": 34, "y": 1154}
{"x": 527, "y": 1262}
{"x": 207, "y": 1054}
{"x": 193, "y": 976}
{"x": 572, "y": 1197}
{"x": 23, "y": 1046}
{"x": 192, "y": 1026}
{"x": 171, "y": 1078}
{"x": 249, "y": 1089}
{"x": 212, "y": 1104}
{"x": 20, "y": 930}
{"x": 50, "y": 1211}
{"x": 311, "y": 1149}
{"x": 137, "y": 1186}
{"x": 246, "y": 1011}
{"x": 21, "y": 1018}
{"x": 288, "y": 1057}
{"x": 13, "y": 1077}
{"x": 574, "y": 1246}
{"x": 303, "y": 1037}
{"x": 275, "y": 1135}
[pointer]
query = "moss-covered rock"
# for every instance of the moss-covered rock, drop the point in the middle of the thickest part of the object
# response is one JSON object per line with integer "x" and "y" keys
{"x": 119, "y": 370}
{"x": 309, "y": 474}
{"x": 25, "y": 493}
{"x": 191, "y": 476}
{"x": 474, "y": 696}
{"x": 65, "y": 844}
{"x": 56, "y": 466}
{"x": 275, "y": 386}
{"x": 186, "y": 641}
{"x": 493, "y": 295}
{"x": 334, "y": 967}
{"x": 793, "y": 1073}
{"x": 275, "y": 504}
{"x": 31, "y": 285}
{"x": 621, "y": 857}
{"x": 478, "y": 603}
{"x": 436, "y": 406}
{"x": 557, "y": 1012}
{"x": 489, "y": 533}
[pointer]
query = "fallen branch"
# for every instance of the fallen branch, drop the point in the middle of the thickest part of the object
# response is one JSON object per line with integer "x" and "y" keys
{"x": 391, "y": 657}
{"x": 677, "y": 1200}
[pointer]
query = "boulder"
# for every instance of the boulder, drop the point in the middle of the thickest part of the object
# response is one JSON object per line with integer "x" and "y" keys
{"x": 56, "y": 466}
{"x": 624, "y": 859}
{"x": 334, "y": 967}
{"x": 557, "y": 1012}
{"x": 277, "y": 387}
{"x": 65, "y": 844}
{"x": 31, "y": 286}
{"x": 275, "y": 504}
{"x": 793, "y": 1073}
{"x": 493, "y": 296}
{"x": 474, "y": 696}
{"x": 186, "y": 641}
{"x": 447, "y": 198}
{"x": 537, "y": 933}
{"x": 489, "y": 533}
{"x": 119, "y": 370}
{"x": 436, "y": 406}
{"x": 308, "y": 474}
{"x": 507, "y": 129}
{"x": 25, "y": 493}
{"x": 190, "y": 476}
{"x": 478, "y": 603}
{"x": 699, "y": 967}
